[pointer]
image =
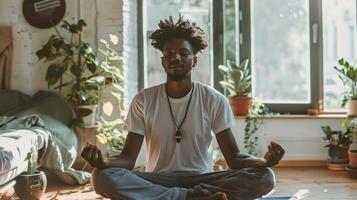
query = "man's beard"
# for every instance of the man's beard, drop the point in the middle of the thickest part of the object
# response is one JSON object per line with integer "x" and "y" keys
{"x": 179, "y": 77}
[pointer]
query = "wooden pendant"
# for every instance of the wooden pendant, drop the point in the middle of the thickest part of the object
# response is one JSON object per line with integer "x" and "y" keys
{"x": 178, "y": 136}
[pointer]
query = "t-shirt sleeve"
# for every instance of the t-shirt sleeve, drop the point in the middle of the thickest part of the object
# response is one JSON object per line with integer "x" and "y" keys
{"x": 135, "y": 119}
{"x": 222, "y": 115}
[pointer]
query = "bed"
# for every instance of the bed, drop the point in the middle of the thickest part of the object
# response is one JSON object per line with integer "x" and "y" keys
{"x": 38, "y": 121}
{"x": 14, "y": 147}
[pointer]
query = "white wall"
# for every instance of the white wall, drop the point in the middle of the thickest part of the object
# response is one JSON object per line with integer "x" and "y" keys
{"x": 103, "y": 17}
{"x": 301, "y": 138}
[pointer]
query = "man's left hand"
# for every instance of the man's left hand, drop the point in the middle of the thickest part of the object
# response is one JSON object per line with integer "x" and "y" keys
{"x": 274, "y": 154}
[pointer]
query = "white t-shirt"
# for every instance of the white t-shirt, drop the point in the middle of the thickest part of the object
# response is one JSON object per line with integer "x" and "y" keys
{"x": 149, "y": 115}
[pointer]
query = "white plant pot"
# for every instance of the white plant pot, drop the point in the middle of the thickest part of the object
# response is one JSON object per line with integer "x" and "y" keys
{"x": 352, "y": 108}
{"x": 90, "y": 120}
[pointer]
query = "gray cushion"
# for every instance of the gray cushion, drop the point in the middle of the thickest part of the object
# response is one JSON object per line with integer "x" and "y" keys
{"x": 10, "y": 99}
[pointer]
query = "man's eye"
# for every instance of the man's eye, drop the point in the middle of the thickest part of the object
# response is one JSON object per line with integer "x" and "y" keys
{"x": 184, "y": 53}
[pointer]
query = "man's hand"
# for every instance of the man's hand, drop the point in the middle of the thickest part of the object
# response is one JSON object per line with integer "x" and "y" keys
{"x": 94, "y": 156}
{"x": 274, "y": 154}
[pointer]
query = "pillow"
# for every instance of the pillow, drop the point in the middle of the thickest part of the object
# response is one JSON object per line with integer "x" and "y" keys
{"x": 11, "y": 99}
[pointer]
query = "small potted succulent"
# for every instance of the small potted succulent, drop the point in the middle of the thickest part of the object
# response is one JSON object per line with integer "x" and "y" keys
{"x": 32, "y": 183}
{"x": 348, "y": 75}
{"x": 237, "y": 80}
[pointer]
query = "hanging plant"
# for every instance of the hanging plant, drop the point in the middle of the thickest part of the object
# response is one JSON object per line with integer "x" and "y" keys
{"x": 254, "y": 120}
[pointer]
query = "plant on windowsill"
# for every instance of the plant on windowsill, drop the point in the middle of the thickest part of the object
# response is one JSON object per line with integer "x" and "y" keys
{"x": 75, "y": 67}
{"x": 32, "y": 183}
{"x": 348, "y": 75}
{"x": 237, "y": 80}
{"x": 338, "y": 144}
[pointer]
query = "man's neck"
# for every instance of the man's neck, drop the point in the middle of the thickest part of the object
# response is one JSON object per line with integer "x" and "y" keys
{"x": 178, "y": 89}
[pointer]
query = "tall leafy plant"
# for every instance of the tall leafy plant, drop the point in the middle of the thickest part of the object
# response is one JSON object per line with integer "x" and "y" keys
{"x": 74, "y": 65}
{"x": 348, "y": 75}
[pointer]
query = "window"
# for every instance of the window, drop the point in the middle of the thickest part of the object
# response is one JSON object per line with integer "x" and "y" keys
{"x": 280, "y": 51}
{"x": 197, "y": 11}
{"x": 292, "y": 46}
{"x": 339, "y": 40}
{"x": 231, "y": 40}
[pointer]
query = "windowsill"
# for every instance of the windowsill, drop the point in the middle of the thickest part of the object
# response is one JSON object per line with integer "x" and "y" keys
{"x": 320, "y": 116}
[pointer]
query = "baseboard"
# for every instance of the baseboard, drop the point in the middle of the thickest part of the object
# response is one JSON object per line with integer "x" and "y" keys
{"x": 302, "y": 163}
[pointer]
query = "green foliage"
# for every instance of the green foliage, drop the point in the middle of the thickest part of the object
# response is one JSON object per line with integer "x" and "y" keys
{"x": 32, "y": 161}
{"x": 348, "y": 75}
{"x": 108, "y": 133}
{"x": 237, "y": 79}
{"x": 337, "y": 138}
{"x": 254, "y": 120}
{"x": 74, "y": 65}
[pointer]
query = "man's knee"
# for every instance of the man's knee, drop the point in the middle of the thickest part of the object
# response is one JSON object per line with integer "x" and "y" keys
{"x": 260, "y": 180}
{"x": 267, "y": 181}
{"x": 103, "y": 180}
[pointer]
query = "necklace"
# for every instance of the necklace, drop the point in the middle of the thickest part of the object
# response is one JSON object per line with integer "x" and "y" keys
{"x": 178, "y": 132}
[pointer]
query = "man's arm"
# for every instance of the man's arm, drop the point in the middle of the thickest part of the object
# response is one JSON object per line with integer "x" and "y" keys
{"x": 126, "y": 159}
{"x": 237, "y": 160}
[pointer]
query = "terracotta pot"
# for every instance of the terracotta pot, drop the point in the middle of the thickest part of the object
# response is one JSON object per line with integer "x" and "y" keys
{"x": 31, "y": 186}
{"x": 239, "y": 105}
{"x": 338, "y": 154}
{"x": 352, "y": 156}
{"x": 352, "y": 108}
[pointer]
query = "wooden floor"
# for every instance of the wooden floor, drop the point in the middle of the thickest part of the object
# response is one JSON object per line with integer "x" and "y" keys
{"x": 315, "y": 183}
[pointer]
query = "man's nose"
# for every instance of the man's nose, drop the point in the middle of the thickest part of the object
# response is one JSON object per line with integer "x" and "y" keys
{"x": 176, "y": 56}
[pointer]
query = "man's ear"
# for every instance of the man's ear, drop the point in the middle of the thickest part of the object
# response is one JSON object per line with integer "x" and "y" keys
{"x": 195, "y": 61}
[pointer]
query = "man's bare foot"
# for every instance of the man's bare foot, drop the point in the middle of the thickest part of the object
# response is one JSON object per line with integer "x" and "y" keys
{"x": 215, "y": 196}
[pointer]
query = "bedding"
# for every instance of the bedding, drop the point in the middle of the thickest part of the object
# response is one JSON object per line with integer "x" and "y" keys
{"x": 14, "y": 148}
{"x": 47, "y": 115}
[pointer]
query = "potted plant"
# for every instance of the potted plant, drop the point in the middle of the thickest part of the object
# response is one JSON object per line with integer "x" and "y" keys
{"x": 32, "y": 183}
{"x": 75, "y": 68}
{"x": 351, "y": 124}
{"x": 338, "y": 144}
{"x": 238, "y": 83}
{"x": 348, "y": 75}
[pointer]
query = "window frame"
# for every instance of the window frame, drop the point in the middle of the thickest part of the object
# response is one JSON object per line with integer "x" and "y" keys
{"x": 316, "y": 65}
{"x": 243, "y": 10}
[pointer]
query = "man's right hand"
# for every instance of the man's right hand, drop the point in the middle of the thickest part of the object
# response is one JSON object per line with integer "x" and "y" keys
{"x": 94, "y": 156}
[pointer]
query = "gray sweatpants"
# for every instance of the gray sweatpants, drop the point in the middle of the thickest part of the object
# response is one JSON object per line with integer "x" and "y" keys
{"x": 123, "y": 184}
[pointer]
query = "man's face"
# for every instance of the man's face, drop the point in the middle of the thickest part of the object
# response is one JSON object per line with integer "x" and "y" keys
{"x": 178, "y": 59}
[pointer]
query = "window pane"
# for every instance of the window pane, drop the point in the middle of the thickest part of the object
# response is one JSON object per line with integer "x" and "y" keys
{"x": 339, "y": 41}
{"x": 197, "y": 11}
{"x": 281, "y": 51}
{"x": 230, "y": 30}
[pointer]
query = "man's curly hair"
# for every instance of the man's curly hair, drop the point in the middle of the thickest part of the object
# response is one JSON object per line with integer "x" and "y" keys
{"x": 183, "y": 28}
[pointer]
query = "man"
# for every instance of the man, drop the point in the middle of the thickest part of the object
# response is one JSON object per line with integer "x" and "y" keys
{"x": 176, "y": 118}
